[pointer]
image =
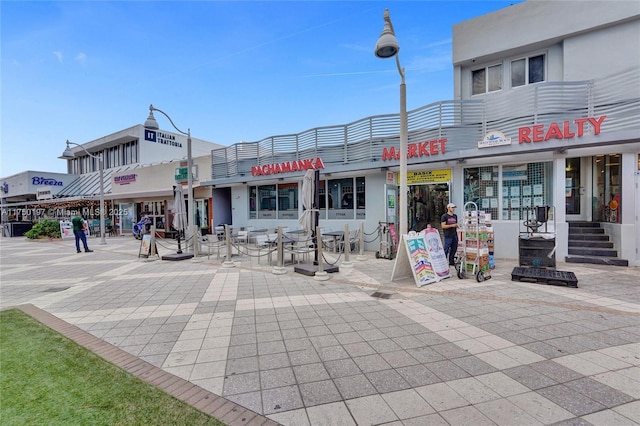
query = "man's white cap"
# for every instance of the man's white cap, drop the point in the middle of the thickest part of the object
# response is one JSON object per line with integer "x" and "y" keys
{"x": 450, "y": 205}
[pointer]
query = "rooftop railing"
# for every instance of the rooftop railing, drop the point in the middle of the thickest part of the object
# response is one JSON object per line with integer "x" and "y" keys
{"x": 462, "y": 122}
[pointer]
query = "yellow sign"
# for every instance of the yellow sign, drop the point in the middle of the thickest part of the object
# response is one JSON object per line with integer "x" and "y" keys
{"x": 428, "y": 176}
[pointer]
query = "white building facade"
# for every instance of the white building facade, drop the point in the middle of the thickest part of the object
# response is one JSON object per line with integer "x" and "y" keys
{"x": 140, "y": 168}
{"x": 545, "y": 116}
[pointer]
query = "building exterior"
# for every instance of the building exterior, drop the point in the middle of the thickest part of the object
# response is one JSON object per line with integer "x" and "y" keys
{"x": 545, "y": 112}
{"x": 549, "y": 116}
{"x": 140, "y": 168}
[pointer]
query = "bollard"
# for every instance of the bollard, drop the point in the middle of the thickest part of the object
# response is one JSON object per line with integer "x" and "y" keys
{"x": 228, "y": 263}
{"x": 361, "y": 255}
{"x": 346, "y": 244}
{"x": 279, "y": 269}
{"x": 321, "y": 274}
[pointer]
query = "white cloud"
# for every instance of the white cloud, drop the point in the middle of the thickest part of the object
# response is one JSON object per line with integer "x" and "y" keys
{"x": 81, "y": 58}
{"x": 58, "y": 55}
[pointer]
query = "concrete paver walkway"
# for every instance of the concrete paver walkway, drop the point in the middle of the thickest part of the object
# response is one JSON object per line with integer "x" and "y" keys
{"x": 296, "y": 351}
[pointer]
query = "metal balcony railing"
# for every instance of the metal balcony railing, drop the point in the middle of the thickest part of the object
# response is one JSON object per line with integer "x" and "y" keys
{"x": 461, "y": 122}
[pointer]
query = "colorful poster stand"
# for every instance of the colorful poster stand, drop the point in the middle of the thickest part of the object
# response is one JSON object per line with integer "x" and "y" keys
{"x": 422, "y": 257}
{"x": 66, "y": 229}
{"x": 436, "y": 252}
{"x": 148, "y": 246}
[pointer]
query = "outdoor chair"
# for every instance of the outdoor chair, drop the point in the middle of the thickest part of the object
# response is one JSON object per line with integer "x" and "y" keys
{"x": 302, "y": 247}
{"x": 212, "y": 242}
{"x": 242, "y": 237}
{"x": 262, "y": 241}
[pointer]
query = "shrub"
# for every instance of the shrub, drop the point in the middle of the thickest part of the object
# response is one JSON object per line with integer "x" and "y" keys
{"x": 46, "y": 228}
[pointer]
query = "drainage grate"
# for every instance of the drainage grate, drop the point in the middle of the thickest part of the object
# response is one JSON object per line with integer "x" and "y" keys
{"x": 55, "y": 289}
{"x": 382, "y": 295}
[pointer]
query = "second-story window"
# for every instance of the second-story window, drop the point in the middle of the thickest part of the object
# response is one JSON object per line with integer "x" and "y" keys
{"x": 486, "y": 80}
{"x": 527, "y": 71}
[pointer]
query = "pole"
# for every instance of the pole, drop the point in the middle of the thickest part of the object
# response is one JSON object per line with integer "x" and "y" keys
{"x": 190, "y": 216}
{"x": 316, "y": 215}
{"x": 102, "y": 221}
{"x": 403, "y": 151}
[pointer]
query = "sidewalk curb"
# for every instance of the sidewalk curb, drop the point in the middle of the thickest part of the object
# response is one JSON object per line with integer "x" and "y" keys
{"x": 201, "y": 399}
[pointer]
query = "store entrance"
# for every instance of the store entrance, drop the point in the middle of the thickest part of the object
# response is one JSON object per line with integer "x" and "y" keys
{"x": 427, "y": 203}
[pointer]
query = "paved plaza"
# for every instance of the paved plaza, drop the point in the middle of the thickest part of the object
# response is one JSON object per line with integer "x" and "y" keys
{"x": 356, "y": 349}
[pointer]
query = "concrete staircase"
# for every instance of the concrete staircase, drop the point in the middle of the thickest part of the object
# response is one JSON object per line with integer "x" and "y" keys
{"x": 588, "y": 243}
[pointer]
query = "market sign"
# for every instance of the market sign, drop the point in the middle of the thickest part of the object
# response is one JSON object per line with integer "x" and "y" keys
{"x": 416, "y": 150}
{"x": 428, "y": 176}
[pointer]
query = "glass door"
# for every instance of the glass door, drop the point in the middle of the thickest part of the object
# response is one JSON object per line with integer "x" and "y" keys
{"x": 607, "y": 188}
{"x": 573, "y": 189}
{"x": 124, "y": 220}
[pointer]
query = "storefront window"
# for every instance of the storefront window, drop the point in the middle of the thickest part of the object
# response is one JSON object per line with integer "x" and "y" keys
{"x": 282, "y": 201}
{"x": 267, "y": 202}
{"x": 524, "y": 186}
{"x": 324, "y": 200}
{"x": 361, "y": 206}
{"x": 273, "y": 201}
{"x": 288, "y": 201}
{"x": 608, "y": 188}
{"x": 341, "y": 193}
{"x": 481, "y": 187}
{"x": 253, "y": 202}
{"x": 155, "y": 211}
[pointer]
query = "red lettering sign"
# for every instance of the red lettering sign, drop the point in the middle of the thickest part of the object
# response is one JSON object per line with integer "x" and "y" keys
{"x": 420, "y": 149}
{"x": 287, "y": 167}
{"x": 541, "y": 133}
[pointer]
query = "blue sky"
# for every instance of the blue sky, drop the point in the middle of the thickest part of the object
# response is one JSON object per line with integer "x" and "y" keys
{"x": 230, "y": 70}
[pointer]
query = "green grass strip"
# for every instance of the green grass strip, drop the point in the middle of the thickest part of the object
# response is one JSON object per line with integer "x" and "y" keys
{"x": 46, "y": 378}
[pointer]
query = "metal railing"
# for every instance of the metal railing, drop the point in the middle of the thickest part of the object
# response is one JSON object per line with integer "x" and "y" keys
{"x": 461, "y": 122}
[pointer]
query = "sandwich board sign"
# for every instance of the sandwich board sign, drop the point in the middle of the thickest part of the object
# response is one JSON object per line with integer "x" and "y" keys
{"x": 148, "y": 246}
{"x": 422, "y": 257}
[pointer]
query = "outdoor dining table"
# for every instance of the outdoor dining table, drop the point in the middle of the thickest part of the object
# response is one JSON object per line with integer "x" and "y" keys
{"x": 273, "y": 242}
{"x": 337, "y": 237}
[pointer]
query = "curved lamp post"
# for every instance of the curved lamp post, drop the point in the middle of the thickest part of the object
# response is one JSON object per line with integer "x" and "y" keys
{"x": 68, "y": 154}
{"x": 386, "y": 47}
{"x": 152, "y": 124}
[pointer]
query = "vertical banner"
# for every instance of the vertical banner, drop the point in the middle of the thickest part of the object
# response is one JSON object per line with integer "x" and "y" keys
{"x": 436, "y": 252}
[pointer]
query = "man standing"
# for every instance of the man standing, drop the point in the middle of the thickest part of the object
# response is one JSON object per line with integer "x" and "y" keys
{"x": 79, "y": 230}
{"x": 449, "y": 224}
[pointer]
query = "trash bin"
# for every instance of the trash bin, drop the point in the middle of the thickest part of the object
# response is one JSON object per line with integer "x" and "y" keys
{"x": 16, "y": 229}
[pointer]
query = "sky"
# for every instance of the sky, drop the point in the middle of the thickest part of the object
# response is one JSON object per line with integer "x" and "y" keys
{"x": 230, "y": 71}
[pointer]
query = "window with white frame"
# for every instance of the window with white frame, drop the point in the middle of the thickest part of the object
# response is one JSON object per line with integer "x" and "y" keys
{"x": 527, "y": 70}
{"x": 273, "y": 201}
{"x": 486, "y": 80}
{"x": 508, "y": 192}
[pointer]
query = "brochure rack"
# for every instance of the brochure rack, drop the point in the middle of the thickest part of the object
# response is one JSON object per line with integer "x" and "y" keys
{"x": 476, "y": 243}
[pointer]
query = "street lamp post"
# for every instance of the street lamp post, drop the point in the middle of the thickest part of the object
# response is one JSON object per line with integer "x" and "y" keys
{"x": 68, "y": 154}
{"x": 152, "y": 124}
{"x": 386, "y": 47}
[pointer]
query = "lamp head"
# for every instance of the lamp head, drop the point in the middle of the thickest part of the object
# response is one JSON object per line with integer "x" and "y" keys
{"x": 151, "y": 122}
{"x": 68, "y": 154}
{"x": 387, "y": 45}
